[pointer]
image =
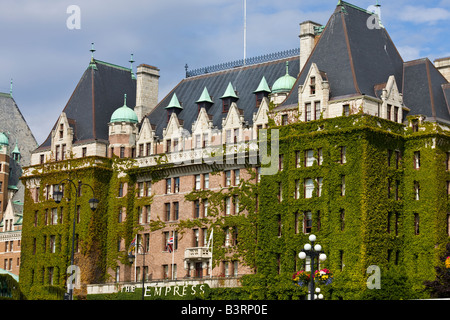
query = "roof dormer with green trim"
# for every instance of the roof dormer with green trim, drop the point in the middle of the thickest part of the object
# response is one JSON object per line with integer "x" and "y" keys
{"x": 228, "y": 98}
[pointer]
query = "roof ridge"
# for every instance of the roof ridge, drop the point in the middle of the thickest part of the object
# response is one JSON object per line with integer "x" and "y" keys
{"x": 112, "y": 65}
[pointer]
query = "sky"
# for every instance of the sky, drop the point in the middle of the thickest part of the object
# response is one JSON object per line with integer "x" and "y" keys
{"x": 45, "y": 44}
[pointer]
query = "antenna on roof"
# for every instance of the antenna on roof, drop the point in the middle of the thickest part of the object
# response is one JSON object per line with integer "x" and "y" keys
{"x": 245, "y": 30}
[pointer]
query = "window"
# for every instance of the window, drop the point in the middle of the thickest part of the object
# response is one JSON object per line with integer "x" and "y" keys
{"x": 319, "y": 186}
{"x": 122, "y": 152}
{"x": 167, "y": 211}
{"x": 206, "y": 181}
{"x": 342, "y": 219}
{"x": 346, "y": 110}
{"x": 197, "y": 141}
{"x": 205, "y": 140}
{"x": 176, "y": 207}
{"x": 312, "y": 86}
{"x": 57, "y": 153}
{"x": 284, "y": 120}
{"x": 280, "y": 225}
{"x": 148, "y": 192}
{"x": 317, "y": 110}
{"x": 396, "y": 114}
{"x": 63, "y": 151}
{"x": 176, "y": 185}
{"x": 236, "y": 177}
{"x": 309, "y": 188}
{"x": 121, "y": 190}
{"x": 280, "y": 192}
{"x": 205, "y": 207}
{"x": 84, "y": 152}
{"x": 319, "y": 157}
{"x": 296, "y": 216}
{"x": 342, "y": 185}
{"x": 280, "y": 162}
{"x": 197, "y": 182}
{"x": 175, "y": 144}
{"x": 236, "y": 204}
{"x": 120, "y": 216}
{"x": 54, "y": 218}
{"x": 227, "y": 178}
{"x": 416, "y": 190}
{"x": 168, "y": 186}
{"x": 416, "y": 223}
{"x": 297, "y": 189}
{"x": 297, "y": 159}
{"x": 308, "y": 112}
{"x": 140, "y": 189}
{"x": 397, "y": 159}
{"x": 343, "y": 155}
{"x": 197, "y": 209}
{"x": 389, "y": 111}
{"x": 309, "y": 158}
{"x": 417, "y": 160}
{"x": 307, "y": 222}
{"x": 227, "y": 206}
{"x": 148, "y": 149}
{"x": 52, "y": 244}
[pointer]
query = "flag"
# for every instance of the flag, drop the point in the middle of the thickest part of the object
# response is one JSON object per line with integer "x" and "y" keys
{"x": 170, "y": 244}
{"x": 132, "y": 246}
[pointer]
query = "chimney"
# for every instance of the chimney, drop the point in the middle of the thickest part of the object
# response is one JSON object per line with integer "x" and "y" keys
{"x": 147, "y": 80}
{"x": 443, "y": 65}
{"x": 307, "y": 40}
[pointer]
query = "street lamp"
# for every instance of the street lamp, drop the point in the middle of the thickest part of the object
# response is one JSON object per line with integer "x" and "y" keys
{"x": 131, "y": 258}
{"x": 93, "y": 202}
{"x": 312, "y": 251}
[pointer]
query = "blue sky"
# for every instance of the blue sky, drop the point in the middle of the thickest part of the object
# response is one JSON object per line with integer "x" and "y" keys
{"x": 46, "y": 59}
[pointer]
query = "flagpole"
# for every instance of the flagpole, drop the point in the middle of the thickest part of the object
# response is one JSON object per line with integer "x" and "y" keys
{"x": 245, "y": 30}
{"x": 173, "y": 251}
{"x": 135, "y": 261}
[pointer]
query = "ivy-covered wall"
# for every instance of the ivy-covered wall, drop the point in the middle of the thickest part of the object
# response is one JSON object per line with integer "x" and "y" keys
{"x": 373, "y": 223}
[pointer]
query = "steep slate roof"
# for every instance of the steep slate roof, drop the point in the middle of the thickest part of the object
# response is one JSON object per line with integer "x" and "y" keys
{"x": 98, "y": 94}
{"x": 245, "y": 81}
{"x": 424, "y": 90}
{"x": 16, "y": 128}
{"x": 354, "y": 57}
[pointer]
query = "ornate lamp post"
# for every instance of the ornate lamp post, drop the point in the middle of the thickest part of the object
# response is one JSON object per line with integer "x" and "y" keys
{"x": 312, "y": 251}
{"x": 93, "y": 202}
{"x": 131, "y": 258}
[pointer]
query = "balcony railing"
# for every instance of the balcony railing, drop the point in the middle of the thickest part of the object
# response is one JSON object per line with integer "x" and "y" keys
{"x": 197, "y": 253}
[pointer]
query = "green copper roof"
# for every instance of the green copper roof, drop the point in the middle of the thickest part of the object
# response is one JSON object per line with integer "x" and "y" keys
{"x": 263, "y": 86}
{"x": 124, "y": 114}
{"x": 285, "y": 83}
{"x": 174, "y": 103}
{"x": 16, "y": 149}
{"x": 205, "y": 97}
{"x": 4, "y": 139}
{"x": 229, "y": 93}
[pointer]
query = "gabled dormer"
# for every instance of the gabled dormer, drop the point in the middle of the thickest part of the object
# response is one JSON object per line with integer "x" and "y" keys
{"x": 262, "y": 91}
{"x": 145, "y": 140}
{"x": 62, "y": 138}
{"x": 173, "y": 134}
{"x": 391, "y": 107}
{"x": 232, "y": 125}
{"x": 228, "y": 98}
{"x": 202, "y": 129}
{"x": 261, "y": 117}
{"x": 313, "y": 95}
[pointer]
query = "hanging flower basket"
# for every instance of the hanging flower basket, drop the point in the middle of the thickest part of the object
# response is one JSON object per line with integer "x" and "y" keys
{"x": 323, "y": 276}
{"x": 301, "y": 278}
{"x": 447, "y": 263}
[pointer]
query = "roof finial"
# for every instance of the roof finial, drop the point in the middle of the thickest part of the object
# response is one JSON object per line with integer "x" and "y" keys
{"x": 92, "y": 51}
{"x": 131, "y": 67}
{"x": 287, "y": 67}
{"x": 125, "y": 99}
{"x": 11, "y": 87}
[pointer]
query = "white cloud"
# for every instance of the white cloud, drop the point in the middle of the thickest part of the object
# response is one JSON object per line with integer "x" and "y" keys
{"x": 421, "y": 14}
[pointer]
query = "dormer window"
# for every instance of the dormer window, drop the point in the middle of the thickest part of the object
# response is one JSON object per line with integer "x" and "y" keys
{"x": 312, "y": 86}
{"x": 262, "y": 91}
{"x": 61, "y": 130}
{"x": 228, "y": 98}
{"x": 226, "y": 103}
